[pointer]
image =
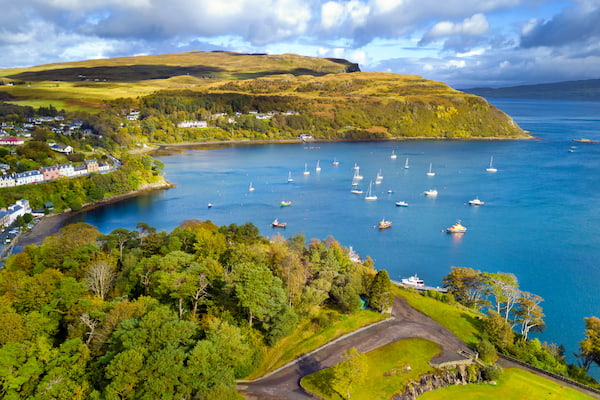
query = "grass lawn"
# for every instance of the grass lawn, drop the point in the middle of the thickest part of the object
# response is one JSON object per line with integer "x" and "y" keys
{"x": 307, "y": 338}
{"x": 514, "y": 384}
{"x": 390, "y": 368}
{"x": 463, "y": 323}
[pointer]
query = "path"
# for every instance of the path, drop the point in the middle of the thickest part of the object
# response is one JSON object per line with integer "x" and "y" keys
{"x": 407, "y": 323}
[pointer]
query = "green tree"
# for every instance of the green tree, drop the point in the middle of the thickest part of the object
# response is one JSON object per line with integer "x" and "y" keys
{"x": 504, "y": 289}
{"x": 351, "y": 371}
{"x": 529, "y": 315}
{"x": 380, "y": 292}
{"x": 498, "y": 331}
{"x": 589, "y": 347}
{"x": 467, "y": 285}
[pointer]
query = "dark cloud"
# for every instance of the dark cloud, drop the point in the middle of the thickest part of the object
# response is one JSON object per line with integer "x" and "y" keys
{"x": 572, "y": 26}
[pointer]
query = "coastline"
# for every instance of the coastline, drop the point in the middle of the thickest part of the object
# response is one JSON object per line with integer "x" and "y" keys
{"x": 50, "y": 224}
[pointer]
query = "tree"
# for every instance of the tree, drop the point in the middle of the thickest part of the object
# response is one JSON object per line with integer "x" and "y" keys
{"x": 467, "y": 285}
{"x": 529, "y": 314}
{"x": 590, "y": 346}
{"x": 498, "y": 331}
{"x": 352, "y": 370}
{"x": 504, "y": 289}
{"x": 119, "y": 237}
{"x": 380, "y": 292}
{"x": 100, "y": 277}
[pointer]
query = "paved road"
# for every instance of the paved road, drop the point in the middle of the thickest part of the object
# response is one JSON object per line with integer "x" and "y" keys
{"x": 407, "y": 323}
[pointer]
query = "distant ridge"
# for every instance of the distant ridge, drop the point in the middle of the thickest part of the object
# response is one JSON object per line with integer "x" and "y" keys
{"x": 584, "y": 90}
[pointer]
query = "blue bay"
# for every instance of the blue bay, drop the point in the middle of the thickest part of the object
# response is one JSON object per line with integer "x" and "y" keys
{"x": 541, "y": 219}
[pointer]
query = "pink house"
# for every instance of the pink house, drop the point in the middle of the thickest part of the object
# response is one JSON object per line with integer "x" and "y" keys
{"x": 50, "y": 173}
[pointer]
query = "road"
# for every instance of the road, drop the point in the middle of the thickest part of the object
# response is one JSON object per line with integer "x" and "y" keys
{"x": 406, "y": 323}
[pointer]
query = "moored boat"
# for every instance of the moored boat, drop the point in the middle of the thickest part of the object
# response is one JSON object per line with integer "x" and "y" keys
{"x": 393, "y": 156}
{"x": 370, "y": 195}
{"x": 431, "y": 193}
{"x": 335, "y": 162}
{"x": 290, "y": 179}
{"x": 251, "y": 188}
{"x": 491, "y": 167}
{"x": 476, "y": 202}
{"x": 401, "y": 204}
{"x": 430, "y": 172}
{"x": 383, "y": 224}
{"x": 277, "y": 224}
{"x": 356, "y": 191}
{"x": 456, "y": 228}
{"x": 285, "y": 203}
{"x": 413, "y": 281}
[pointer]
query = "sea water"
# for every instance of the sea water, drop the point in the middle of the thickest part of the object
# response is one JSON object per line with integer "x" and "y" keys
{"x": 540, "y": 221}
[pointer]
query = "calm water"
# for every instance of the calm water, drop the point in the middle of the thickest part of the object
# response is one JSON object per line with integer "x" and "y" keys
{"x": 541, "y": 219}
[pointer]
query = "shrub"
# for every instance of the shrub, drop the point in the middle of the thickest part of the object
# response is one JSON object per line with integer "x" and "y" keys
{"x": 492, "y": 372}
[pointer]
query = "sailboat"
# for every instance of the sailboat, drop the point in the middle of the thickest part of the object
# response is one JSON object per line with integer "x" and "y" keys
{"x": 491, "y": 167}
{"x": 430, "y": 173}
{"x": 393, "y": 156}
{"x": 406, "y": 166}
{"x": 317, "y": 168}
{"x": 290, "y": 179}
{"x": 356, "y": 167}
{"x": 335, "y": 162}
{"x": 370, "y": 195}
{"x": 357, "y": 175}
{"x": 306, "y": 171}
{"x": 378, "y": 178}
{"x": 251, "y": 188}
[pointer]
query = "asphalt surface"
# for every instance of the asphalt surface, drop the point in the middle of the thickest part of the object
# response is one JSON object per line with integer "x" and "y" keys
{"x": 407, "y": 323}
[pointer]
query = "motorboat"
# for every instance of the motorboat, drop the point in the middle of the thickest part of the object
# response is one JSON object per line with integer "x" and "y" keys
{"x": 383, "y": 224}
{"x": 285, "y": 203}
{"x": 476, "y": 202}
{"x": 456, "y": 228}
{"x": 356, "y": 191}
{"x": 413, "y": 281}
{"x": 277, "y": 224}
{"x": 431, "y": 193}
{"x": 401, "y": 204}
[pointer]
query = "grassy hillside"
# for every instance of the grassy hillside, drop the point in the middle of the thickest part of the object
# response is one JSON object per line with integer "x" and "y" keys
{"x": 332, "y": 96}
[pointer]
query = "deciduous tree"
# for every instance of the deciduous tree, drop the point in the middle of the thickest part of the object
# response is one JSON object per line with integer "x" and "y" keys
{"x": 351, "y": 371}
{"x": 590, "y": 346}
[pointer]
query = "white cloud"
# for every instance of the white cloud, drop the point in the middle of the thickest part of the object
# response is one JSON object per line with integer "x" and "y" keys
{"x": 472, "y": 26}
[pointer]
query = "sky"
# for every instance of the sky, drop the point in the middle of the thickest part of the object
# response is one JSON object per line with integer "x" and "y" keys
{"x": 465, "y": 43}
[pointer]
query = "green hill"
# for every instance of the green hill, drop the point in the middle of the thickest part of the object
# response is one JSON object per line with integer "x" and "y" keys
{"x": 334, "y": 99}
{"x": 584, "y": 90}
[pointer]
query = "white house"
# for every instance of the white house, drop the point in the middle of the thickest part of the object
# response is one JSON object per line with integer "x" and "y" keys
{"x": 24, "y": 178}
{"x": 7, "y": 180}
{"x": 61, "y": 148}
{"x": 66, "y": 170}
{"x": 80, "y": 170}
{"x": 20, "y": 208}
{"x": 193, "y": 124}
{"x": 103, "y": 167}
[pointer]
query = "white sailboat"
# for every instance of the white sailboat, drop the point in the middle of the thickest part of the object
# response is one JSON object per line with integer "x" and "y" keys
{"x": 357, "y": 175}
{"x": 430, "y": 173}
{"x": 251, "y": 188}
{"x": 406, "y": 166}
{"x": 356, "y": 167}
{"x": 306, "y": 171}
{"x": 378, "y": 178}
{"x": 317, "y": 168}
{"x": 491, "y": 167}
{"x": 393, "y": 156}
{"x": 290, "y": 179}
{"x": 370, "y": 195}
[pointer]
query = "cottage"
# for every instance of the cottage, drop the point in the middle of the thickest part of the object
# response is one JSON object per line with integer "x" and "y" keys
{"x": 11, "y": 141}
{"x": 61, "y": 148}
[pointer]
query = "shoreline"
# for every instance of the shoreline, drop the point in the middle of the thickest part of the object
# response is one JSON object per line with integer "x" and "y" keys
{"x": 50, "y": 224}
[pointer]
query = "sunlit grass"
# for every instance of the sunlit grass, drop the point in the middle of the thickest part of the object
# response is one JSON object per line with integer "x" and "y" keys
{"x": 514, "y": 384}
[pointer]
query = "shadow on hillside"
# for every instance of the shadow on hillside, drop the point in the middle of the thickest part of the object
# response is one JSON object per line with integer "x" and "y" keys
{"x": 121, "y": 73}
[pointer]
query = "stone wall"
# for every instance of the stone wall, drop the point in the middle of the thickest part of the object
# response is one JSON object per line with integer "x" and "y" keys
{"x": 439, "y": 379}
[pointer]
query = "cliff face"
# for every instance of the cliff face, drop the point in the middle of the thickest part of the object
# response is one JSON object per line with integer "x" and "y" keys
{"x": 459, "y": 376}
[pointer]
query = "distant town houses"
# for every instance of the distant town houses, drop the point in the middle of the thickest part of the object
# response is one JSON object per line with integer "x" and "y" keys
{"x": 11, "y": 141}
{"x": 10, "y": 214}
{"x": 192, "y": 124}
{"x": 46, "y": 174}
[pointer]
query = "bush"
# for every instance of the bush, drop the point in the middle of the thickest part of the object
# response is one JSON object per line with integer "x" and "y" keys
{"x": 487, "y": 351}
{"x": 492, "y": 372}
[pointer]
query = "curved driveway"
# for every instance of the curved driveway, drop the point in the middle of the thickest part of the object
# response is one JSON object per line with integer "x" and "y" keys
{"x": 406, "y": 323}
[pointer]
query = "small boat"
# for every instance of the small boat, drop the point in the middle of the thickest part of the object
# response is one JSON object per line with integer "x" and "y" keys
{"x": 357, "y": 176}
{"x": 413, "y": 281}
{"x": 390, "y": 191}
{"x": 476, "y": 202}
{"x": 370, "y": 195}
{"x": 210, "y": 205}
{"x": 317, "y": 168}
{"x": 356, "y": 167}
{"x": 290, "y": 179}
{"x": 430, "y": 173}
{"x": 491, "y": 167}
{"x": 356, "y": 191}
{"x": 401, "y": 204}
{"x": 306, "y": 171}
{"x": 456, "y": 228}
{"x": 285, "y": 203}
{"x": 251, "y": 188}
{"x": 406, "y": 166}
{"x": 277, "y": 224}
{"x": 335, "y": 162}
{"x": 393, "y": 156}
{"x": 378, "y": 178}
{"x": 431, "y": 193}
{"x": 383, "y": 224}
